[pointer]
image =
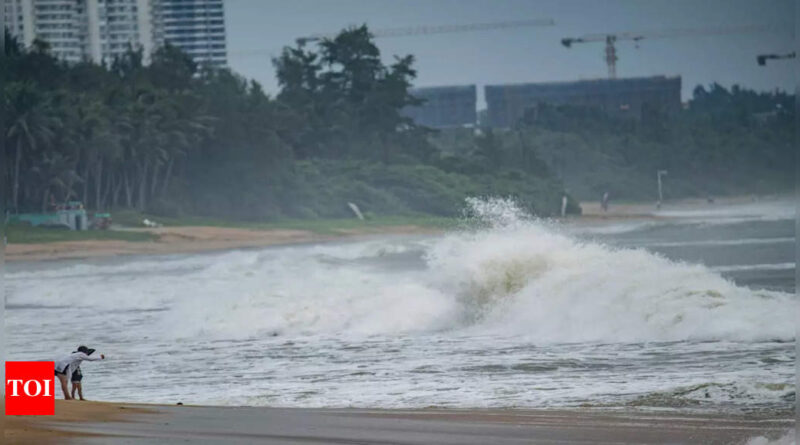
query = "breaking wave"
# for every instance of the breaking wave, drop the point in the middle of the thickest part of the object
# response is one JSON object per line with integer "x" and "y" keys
{"x": 512, "y": 275}
{"x": 505, "y": 274}
{"x": 521, "y": 276}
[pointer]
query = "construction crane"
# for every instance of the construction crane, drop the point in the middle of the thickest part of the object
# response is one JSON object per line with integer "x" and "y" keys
{"x": 414, "y": 30}
{"x": 611, "y": 39}
{"x": 437, "y": 29}
{"x": 762, "y": 58}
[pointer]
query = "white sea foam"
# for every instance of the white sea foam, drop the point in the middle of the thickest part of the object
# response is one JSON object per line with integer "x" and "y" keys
{"x": 764, "y": 210}
{"x": 786, "y": 439}
{"x": 520, "y": 277}
{"x": 512, "y": 276}
{"x": 754, "y": 267}
{"x": 510, "y": 312}
{"x": 722, "y": 242}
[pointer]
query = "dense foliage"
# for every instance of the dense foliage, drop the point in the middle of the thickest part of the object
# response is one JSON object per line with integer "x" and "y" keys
{"x": 728, "y": 141}
{"x": 170, "y": 137}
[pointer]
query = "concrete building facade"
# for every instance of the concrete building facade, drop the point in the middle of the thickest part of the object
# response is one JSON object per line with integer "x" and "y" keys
{"x": 506, "y": 104}
{"x": 445, "y": 107}
{"x": 195, "y": 26}
{"x": 101, "y": 30}
{"x": 116, "y": 25}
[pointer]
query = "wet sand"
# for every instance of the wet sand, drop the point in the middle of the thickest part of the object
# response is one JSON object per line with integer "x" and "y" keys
{"x": 103, "y": 423}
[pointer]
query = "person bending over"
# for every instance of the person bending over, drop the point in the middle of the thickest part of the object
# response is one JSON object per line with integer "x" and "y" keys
{"x": 68, "y": 364}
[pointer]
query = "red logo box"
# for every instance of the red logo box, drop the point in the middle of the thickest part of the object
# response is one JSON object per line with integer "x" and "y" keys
{"x": 30, "y": 389}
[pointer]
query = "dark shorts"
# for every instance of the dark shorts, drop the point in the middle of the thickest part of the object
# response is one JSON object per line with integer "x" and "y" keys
{"x": 64, "y": 372}
{"x": 77, "y": 376}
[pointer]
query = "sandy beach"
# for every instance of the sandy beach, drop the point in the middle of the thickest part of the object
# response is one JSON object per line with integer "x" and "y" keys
{"x": 190, "y": 239}
{"x": 103, "y": 423}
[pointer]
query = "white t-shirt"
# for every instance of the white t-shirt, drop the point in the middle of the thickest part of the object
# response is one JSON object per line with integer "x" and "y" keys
{"x": 69, "y": 363}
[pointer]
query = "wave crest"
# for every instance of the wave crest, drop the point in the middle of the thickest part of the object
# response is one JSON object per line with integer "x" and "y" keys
{"x": 522, "y": 277}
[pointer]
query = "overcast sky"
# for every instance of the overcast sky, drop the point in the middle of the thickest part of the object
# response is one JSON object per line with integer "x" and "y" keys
{"x": 258, "y": 29}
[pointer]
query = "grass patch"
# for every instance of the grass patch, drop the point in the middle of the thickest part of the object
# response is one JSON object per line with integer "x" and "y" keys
{"x": 25, "y": 234}
{"x": 131, "y": 218}
{"x": 331, "y": 226}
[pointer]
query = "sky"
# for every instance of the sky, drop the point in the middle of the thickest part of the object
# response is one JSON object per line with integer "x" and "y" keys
{"x": 258, "y": 29}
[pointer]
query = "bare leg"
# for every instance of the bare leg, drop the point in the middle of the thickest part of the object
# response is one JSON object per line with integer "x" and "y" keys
{"x": 64, "y": 389}
{"x": 80, "y": 390}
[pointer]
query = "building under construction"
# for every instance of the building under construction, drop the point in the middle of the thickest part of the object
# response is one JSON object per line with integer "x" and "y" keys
{"x": 506, "y": 104}
{"x": 444, "y": 107}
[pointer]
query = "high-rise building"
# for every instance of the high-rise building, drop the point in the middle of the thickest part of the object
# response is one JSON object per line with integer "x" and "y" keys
{"x": 195, "y": 26}
{"x": 58, "y": 22}
{"x": 101, "y": 30}
{"x": 116, "y": 25}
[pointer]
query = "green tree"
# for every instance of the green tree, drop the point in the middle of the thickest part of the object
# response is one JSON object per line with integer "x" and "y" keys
{"x": 31, "y": 124}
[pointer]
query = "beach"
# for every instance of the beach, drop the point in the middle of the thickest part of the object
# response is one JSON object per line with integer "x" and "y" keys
{"x": 104, "y": 423}
{"x": 190, "y": 239}
{"x": 187, "y": 239}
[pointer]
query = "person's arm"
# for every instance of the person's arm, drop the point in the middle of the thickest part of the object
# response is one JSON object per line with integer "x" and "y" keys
{"x": 92, "y": 359}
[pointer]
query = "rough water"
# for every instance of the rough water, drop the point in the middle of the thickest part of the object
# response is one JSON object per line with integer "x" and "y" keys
{"x": 695, "y": 312}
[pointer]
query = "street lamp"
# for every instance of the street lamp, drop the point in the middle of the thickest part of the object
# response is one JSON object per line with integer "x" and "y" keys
{"x": 659, "y": 174}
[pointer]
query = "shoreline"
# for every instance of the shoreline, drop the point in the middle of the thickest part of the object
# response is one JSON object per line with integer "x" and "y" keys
{"x": 203, "y": 238}
{"x": 109, "y": 422}
{"x": 194, "y": 239}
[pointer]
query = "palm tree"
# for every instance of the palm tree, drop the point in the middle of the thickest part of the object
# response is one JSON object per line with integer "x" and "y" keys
{"x": 55, "y": 174}
{"x": 31, "y": 126}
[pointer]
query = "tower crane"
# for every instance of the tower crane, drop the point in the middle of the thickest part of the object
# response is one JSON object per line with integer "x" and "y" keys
{"x": 762, "y": 58}
{"x": 437, "y": 29}
{"x": 416, "y": 30}
{"x": 612, "y": 38}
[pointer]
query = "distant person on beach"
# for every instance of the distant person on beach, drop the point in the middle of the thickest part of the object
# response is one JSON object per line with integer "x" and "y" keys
{"x": 604, "y": 202}
{"x": 68, "y": 364}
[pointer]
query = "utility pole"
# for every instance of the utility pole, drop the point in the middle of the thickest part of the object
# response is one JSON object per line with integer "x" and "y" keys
{"x": 611, "y": 56}
{"x": 659, "y": 174}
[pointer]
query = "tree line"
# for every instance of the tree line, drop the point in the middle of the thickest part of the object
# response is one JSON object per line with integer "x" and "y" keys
{"x": 727, "y": 141}
{"x": 108, "y": 136}
{"x": 171, "y": 137}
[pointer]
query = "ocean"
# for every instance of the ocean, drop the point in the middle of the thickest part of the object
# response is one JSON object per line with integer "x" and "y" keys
{"x": 693, "y": 310}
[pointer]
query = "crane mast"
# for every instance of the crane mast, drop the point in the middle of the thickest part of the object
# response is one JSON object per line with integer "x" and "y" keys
{"x": 611, "y": 56}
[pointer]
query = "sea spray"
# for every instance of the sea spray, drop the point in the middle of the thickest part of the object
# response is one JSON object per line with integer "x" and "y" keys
{"x": 520, "y": 276}
{"x": 504, "y": 273}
